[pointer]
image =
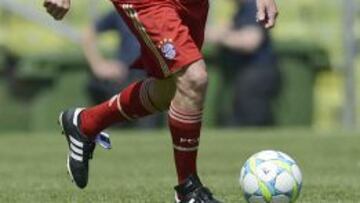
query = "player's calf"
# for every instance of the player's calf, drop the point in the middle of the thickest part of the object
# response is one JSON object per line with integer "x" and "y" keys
{"x": 132, "y": 103}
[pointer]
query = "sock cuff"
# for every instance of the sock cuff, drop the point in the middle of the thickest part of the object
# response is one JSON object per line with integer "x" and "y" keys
{"x": 134, "y": 101}
{"x": 185, "y": 117}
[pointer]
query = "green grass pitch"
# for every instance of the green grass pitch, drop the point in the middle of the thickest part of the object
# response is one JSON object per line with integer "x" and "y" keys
{"x": 140, "y": 167}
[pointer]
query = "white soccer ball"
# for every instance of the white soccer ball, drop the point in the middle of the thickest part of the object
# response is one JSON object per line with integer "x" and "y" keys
{"x": 270, "y": 177}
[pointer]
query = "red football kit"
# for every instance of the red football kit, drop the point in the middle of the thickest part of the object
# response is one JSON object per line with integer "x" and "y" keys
{"x": 171, "y": 32}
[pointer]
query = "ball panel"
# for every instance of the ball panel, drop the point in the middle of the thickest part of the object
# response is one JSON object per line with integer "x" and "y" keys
{"x": 256, "y": 199}
{"x": 265, "y": 191}
{"x": 295, "y": 192}
{"x": 284, "y": 182}
{"x": 267, "y": 155}
{"x": 286, "y": 157}
{"x": 250, "y": 184}
{"x": 267, "y": 171}
{"x": 252, "y": 165}
{"x": 280, "y": 199}
{"x": 295, "y": 170}
{"x": 242, "y": 174}
{"x": 283, "y": 165}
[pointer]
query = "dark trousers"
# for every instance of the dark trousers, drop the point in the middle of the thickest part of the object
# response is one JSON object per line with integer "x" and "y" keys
{"x": 251, "y": 90}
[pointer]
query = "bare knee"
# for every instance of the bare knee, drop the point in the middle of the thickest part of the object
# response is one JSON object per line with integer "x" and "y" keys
{"x": 191, "y": 85}
{"x": 195, "y": 77}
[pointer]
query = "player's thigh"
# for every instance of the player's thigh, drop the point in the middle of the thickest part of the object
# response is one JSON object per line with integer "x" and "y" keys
{"x": 167, "y": 44}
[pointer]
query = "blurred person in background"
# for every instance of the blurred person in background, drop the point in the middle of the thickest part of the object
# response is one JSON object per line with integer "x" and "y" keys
{"x": 110, "y": 75}
{"x": 248, "y": 66}
{"x": 8, "y": 63}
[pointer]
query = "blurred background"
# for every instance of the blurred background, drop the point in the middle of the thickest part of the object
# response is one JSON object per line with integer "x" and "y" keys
{"x": 305, "y": 73}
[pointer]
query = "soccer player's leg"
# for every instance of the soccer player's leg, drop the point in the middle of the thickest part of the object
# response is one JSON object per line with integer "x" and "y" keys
{"x": 82, "y": 126}
{"x": 185, "y": 116}
{"x": 173, "y": 51}
{"x": 169, "y": 52}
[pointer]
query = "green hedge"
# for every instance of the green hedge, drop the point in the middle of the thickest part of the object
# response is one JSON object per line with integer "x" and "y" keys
{"x": 49, "y": 83}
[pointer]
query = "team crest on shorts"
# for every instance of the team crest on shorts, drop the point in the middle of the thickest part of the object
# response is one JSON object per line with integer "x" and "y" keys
{"x": 167, "y": 48}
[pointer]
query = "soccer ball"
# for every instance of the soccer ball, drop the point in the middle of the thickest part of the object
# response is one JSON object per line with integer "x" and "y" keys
{"x": 270, "y": 177}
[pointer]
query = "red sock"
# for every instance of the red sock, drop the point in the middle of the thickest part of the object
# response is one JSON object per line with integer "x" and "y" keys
{"x": 131, "y": 103}
{"x": 185, "y": 130}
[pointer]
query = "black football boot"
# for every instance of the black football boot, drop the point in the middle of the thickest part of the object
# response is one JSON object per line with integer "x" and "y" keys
{"x": 192, "y": 191}
{"x": 81, "y": 148}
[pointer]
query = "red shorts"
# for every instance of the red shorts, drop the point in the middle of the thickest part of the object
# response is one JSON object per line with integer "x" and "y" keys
{"x": 171, "y": 32}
